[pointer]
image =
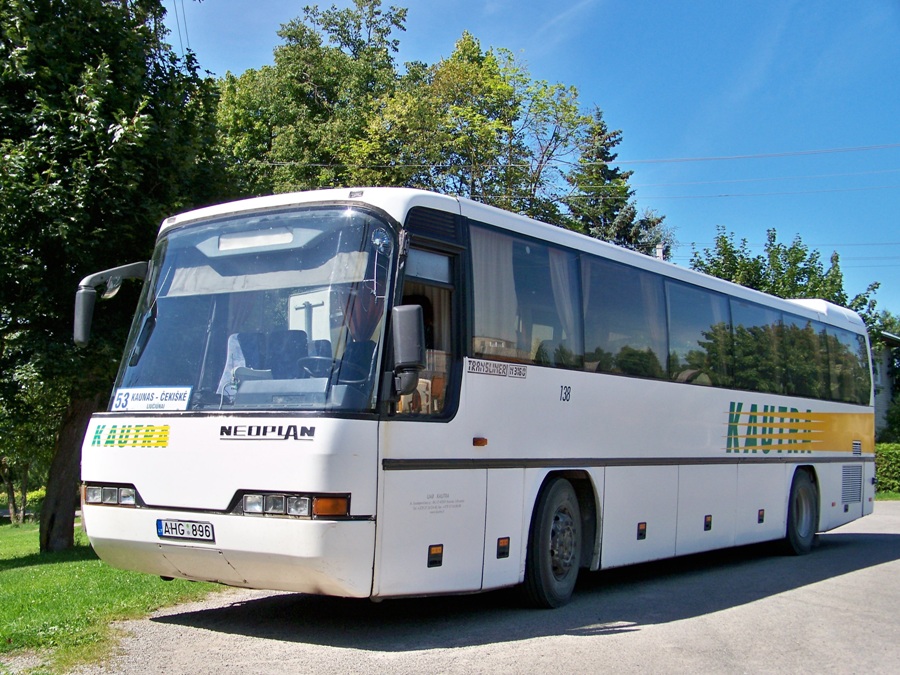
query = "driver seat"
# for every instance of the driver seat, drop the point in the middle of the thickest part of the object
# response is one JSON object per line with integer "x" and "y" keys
{"x": 358, "y": 357}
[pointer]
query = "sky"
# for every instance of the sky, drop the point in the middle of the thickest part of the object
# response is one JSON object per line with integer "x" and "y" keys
{"x": 742, "y": 115}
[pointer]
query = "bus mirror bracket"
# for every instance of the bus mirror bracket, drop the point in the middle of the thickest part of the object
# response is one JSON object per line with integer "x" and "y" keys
{"x": 408, "y": 330}
{"x": 86, "y": 295}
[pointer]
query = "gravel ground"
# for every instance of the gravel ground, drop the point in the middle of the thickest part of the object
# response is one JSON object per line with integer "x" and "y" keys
{"x": 737, "y": 611}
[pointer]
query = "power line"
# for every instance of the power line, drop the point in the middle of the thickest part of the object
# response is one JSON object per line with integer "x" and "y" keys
{"x": 187, "y": 38}
{"x": 773, "y": 194}
{"x": 759, "y": 245}
{"x": 179, "y": 18}
{"x": 765, "y": 179}
{"x": 178, "y": 26}
{"x": 769, "y": 155}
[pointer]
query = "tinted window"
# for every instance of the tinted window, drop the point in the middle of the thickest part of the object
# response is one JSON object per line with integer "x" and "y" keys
{"x": 848, "y": 366}
{"x": 624, "y": 319}
{"x": 527, "y": 301}
{"x": 699, "y": 335}
{"x": 757, "y": 347}
{"x": 805, "y": 358}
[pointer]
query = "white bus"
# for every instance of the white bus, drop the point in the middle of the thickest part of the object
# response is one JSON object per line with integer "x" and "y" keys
{"x": 387, "y": 392}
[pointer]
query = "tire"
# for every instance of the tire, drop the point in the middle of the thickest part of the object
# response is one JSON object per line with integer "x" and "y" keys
{"x": 554, "y": 546}
{"x": 803, "y": 514}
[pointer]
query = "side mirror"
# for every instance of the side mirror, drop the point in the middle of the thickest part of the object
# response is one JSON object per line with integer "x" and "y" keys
{"x": 86, "y": 295}
{"x": 408, "y": 330}
{"x": 85, "y": 298}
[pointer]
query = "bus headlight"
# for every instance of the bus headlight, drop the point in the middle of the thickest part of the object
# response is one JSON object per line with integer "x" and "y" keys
{"x": 300, "y": 506}
{"x": 111, "y": 495}
{"x": 253, "y": 503}
{"x": 274, "y": 504}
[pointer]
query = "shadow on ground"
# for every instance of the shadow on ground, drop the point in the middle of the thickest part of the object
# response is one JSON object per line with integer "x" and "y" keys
{"x": 606, "y": 602}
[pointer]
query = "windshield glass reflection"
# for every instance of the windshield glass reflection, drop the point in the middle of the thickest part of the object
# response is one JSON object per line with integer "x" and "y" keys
{"x": 269, "y": 311}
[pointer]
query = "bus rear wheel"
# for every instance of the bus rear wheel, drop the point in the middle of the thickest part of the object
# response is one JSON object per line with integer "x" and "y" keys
{"x": 803, "y": 514}
{"x": 554, "y": 546}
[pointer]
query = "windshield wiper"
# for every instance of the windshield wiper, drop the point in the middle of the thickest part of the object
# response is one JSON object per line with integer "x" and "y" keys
{"x": 144, "y": 337}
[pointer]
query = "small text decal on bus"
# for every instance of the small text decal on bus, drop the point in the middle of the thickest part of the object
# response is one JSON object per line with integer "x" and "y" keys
{"x": 501, "y": 369}
{"x": 261, "y": 432}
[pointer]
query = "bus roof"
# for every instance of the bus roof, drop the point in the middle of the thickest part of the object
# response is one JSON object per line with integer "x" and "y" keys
{"x": 396, "y": 202}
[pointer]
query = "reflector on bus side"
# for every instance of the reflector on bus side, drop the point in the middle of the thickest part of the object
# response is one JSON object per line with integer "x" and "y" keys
{"x": 435, "y": 555}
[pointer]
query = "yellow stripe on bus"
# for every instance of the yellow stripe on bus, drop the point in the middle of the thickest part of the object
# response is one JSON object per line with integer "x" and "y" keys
{"x": 757, "y": 430}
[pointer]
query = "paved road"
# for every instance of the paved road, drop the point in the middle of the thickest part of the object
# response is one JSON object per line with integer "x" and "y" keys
{"x": 742, "y": 611}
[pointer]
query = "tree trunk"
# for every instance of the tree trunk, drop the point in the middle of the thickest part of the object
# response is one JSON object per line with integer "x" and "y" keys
{"x": 24, "y": 483}
{"x": 58, "y": 512}
{"x": 6, "y": 474}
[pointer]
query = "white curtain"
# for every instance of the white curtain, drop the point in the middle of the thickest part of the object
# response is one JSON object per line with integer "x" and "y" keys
{"x": 495, "y": 290}
{"x": 565, "y": 295}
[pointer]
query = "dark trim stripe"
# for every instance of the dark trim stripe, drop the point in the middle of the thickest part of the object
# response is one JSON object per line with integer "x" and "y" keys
{"x": 580, "y": 462}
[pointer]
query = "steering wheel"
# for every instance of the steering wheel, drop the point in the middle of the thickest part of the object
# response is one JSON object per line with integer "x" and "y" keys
{"x": 351, "y": 373}
{"x": 316, "y": 366}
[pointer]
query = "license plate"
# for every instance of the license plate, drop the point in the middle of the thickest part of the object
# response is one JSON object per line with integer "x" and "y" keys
{"x": 185, "y": 529}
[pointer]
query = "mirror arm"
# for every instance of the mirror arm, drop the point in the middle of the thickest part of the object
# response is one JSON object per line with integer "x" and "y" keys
{"x": 86, "y": 296}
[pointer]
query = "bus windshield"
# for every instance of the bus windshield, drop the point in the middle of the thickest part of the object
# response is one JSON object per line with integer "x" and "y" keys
{"x": 270, "y": 310}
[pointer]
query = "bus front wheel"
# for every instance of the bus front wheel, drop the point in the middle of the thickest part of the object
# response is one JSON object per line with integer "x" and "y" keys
{"x": 803, "y": 514}
{"x": 554, "y": 546}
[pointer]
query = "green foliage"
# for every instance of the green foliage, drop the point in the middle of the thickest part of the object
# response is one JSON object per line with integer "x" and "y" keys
{"x": 601, "y": 203}
{"x": 35, "y": 500}
{"x": 103, "y": 131}
{"x": 891, "y": 431}
{"x": 887, "y": 467}
{"x": 65, "y": 601}
{"x": 334, "y": 110}
{"x": 886, "y": 322}
{"x": 290, "y": 126}
{"x": 784, "y": 271}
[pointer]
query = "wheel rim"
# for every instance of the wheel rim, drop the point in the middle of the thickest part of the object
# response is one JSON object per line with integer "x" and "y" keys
{"x": 563, "y": 538}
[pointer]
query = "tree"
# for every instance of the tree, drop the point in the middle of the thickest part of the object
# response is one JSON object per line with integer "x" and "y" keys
{"x": 784, "y": 271}
{"x": 601, "y": 203}
{"x": 443, "y": 128}
{"x": 889, "y": 323}
{"x": 104, "y": 131}
{"x": 290, "y": 126}
{"x": 334, "y": 110}
{"x": 27, "y": 434}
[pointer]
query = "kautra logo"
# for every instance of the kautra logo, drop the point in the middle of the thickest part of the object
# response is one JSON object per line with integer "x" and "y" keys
{"x": 130, "y": 436}
{"x": 770, "y": 428}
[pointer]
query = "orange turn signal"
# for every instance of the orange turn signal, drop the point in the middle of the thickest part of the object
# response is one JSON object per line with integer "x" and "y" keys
{"x": 331, "y": 506}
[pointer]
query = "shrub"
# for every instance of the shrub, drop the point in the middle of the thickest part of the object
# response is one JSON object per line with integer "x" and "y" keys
{"x": 35, "y": 500}
{"x": 887, "y": 467}
{"x": 891, "y": 431}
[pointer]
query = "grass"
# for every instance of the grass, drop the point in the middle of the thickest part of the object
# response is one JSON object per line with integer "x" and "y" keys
{"x": 887, "y": 496}
{"x": 60, "y": 605}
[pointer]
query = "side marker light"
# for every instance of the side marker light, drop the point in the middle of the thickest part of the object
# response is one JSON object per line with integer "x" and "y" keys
{"x": 642, "y": 531}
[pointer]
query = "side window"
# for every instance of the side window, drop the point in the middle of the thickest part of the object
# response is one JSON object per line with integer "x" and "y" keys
{"x": 527, "y": 301}
{"x": 848, "y": 366}
{"x": 428, "y": 284}
{"x": 805, "y": 358}
{"x": 758, "y": 362}
{"x": 625, "y": 320}
{"x": 699, "y": 335}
